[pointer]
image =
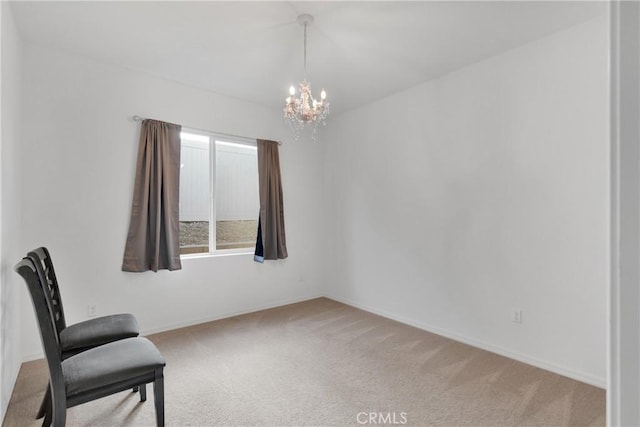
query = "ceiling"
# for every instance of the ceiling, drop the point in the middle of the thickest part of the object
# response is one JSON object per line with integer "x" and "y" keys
{"x": 357, "y": 51}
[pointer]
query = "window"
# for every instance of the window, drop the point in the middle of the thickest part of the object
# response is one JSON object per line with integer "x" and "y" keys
{"x": 219, "y": 202}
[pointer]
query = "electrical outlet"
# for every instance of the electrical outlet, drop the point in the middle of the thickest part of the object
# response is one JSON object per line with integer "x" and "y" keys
{"x": 516, "y": 315}
{"x": 91, "y": 310}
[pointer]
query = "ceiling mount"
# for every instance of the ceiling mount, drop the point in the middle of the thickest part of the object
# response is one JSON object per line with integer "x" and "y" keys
{"x": 305, "y": 19}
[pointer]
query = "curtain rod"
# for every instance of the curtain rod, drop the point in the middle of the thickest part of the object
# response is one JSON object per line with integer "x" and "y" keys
{"x": 137, "y": 118}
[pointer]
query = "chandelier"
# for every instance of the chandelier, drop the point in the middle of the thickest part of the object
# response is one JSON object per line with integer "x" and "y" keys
{"x": 305, "y": 109}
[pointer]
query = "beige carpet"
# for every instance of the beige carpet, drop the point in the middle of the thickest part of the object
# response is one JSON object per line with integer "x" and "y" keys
{"x": 322, "y": 363}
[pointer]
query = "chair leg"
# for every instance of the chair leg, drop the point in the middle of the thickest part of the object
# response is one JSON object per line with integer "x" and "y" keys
{"x": 54, "y": 417}
{"x": 56, "y": 414}
{"x": 134, "y": 390}
{"x": 158, "y": 393}
{"x": 59, "y": 414}
{"x": 143, "y": 392}
{"x": 46, "y": 422}
{"x": 46, "y": 403}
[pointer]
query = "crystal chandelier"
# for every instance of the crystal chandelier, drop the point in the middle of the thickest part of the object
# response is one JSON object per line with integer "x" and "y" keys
{"x": 305, "y": 109}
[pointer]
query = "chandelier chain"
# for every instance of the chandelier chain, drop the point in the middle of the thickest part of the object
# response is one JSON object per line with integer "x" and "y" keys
{"x": 305, "y": 49}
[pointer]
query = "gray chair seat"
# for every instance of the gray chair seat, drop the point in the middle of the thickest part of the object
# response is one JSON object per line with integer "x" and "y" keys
{"x": 94, "y": 373}
{"x": 111, "y": 363}
{"x": 94, "y": 332}
{"x": 77, "y": 338}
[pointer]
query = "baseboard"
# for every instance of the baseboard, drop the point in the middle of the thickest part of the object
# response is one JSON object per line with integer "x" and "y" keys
{"x": 549, "y": 366}
{"x": 187, "y": 323}
{"x": 5, "y": 406}
{"x": 192, "y": 322}
{"x": 543, "y": 364}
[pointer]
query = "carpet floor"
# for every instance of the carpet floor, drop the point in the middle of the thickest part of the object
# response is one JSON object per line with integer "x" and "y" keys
{"x": 322, "y": 363}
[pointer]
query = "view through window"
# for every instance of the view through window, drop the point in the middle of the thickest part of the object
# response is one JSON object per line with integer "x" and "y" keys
{"x": 219, "y": 200}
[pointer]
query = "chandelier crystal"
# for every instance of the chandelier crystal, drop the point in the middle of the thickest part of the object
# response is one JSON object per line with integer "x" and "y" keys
{"x": 305, "y": 109}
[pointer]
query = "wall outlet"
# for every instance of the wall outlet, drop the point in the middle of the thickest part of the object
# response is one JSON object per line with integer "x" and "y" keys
{"x": 91, "y": 310}
{"x": 516, "y": 315}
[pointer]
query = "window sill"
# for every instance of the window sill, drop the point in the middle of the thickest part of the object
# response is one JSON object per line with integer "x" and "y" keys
{"x": 214, "y": 255}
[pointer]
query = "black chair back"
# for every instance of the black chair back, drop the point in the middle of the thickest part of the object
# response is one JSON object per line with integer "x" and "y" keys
{"x": 99, "y": 372}
{"x": 44, "y": 266}
{"x": 42, "y": 304}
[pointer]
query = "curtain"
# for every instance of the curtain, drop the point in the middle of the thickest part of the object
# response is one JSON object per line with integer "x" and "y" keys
{"x": 271, "y": 242}
{"x": 153, "y": 242}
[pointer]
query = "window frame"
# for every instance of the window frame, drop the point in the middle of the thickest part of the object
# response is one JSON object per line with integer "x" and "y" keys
{"x": 215, "y": 137}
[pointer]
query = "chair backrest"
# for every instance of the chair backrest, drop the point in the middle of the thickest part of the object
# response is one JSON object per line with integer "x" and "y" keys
{"x": 42, "y": 307}
{"x": 44, "y": 266}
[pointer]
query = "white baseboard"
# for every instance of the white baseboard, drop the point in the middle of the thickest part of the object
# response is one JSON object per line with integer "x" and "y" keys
{"x": 186, "y": 323}
{"x": 191, "y": 322}
{"x": 546, "y": 365}
{"x": 549, "y": 366}
{"x": 5, "y": 406}
{"x": 33, "y": 356}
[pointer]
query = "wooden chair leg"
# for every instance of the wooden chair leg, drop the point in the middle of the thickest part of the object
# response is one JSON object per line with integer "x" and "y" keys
{"x": 46, "y": 403}
{"x": 143, "y": 393}
{"x": 158, "y": 394}
{"x": 134, "y": 390}
{"x": 46, "y": 422}
{"x": 59, "y": 414}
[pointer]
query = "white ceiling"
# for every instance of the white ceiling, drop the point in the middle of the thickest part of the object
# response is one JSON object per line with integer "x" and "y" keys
{"x": 357, "y": 51}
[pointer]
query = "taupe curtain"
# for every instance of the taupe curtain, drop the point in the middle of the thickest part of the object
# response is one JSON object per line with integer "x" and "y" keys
{"x": 153, "y": 242}
{"x": 271, "y": 242}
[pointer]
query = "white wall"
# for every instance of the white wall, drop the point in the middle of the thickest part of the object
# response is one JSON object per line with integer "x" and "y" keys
{"x": 237, "y": 188}
{"x": 486, "y": 190}
{"x": 449, "y": 204}
{"x": 80, "y": 146}
{"x": 194, "y": 181}
{"x": 236, "y": 182}
{"x": 11, "y": 286}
